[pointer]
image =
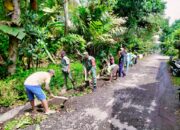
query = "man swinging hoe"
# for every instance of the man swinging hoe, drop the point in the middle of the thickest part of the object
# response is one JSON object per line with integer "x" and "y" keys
{"x": 33, "y": 85}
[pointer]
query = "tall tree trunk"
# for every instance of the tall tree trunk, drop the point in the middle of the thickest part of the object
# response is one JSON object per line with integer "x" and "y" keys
{"x": 29, "y": 62}
{"x": 13, "y": 43}
{"x": 13, "y": 54}
{"x": 16, "y": 12}
{"x": 66, "y": 17}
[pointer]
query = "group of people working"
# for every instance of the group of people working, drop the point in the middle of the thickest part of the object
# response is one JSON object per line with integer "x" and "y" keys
{"x": 125, "y": 59}
{"x": 34, "y": 82}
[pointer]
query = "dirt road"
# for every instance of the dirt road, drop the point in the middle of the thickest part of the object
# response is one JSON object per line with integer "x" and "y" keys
{"x": 143, "y": 100}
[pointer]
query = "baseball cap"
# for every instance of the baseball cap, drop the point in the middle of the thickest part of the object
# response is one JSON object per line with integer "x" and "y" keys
{"x": 85, "y": 53}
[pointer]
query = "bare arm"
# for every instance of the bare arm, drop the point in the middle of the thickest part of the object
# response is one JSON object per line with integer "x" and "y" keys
{"x": 47, "y": 88}
{"x": 79, "y": 54}
{"x": 93, "y": 62}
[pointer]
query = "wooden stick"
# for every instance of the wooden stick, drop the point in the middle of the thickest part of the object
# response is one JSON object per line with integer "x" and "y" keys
{"x": 60, "y": 97}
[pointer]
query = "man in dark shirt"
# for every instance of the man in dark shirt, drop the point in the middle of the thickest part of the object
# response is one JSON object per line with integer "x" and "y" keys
{"x": 122, "y": 58}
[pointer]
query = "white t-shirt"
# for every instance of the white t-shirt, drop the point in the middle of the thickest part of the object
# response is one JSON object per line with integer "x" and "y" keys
{"x": 38, "y": 78}
{"x": 65, "y": 63}
{"x": 110, "y": 68}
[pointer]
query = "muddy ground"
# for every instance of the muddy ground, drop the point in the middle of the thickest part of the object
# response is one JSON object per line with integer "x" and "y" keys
{"x": 143, "y": 100}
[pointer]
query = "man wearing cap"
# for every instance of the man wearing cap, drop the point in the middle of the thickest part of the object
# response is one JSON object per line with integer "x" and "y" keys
{"x": 89, "y": 68}
{"x": 65, "y": 63}
{"x": 33, "y": 88}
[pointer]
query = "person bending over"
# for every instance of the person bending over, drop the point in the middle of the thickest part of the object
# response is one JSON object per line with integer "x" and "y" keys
{"x": 33, "y": 85}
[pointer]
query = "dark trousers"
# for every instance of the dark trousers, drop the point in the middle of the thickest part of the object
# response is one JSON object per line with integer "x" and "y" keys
{"x": 121, "y": 70}
{"x": 66, "y": 76}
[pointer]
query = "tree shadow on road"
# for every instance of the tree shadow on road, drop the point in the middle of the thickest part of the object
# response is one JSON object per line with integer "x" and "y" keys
{"x": 146, "y": 107}
{"x": 132, "y": 107}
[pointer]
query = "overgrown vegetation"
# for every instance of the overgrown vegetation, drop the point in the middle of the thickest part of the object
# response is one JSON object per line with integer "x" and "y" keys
{"x": 12, "y": 90}
{"x": 171, "y": 39}
{"x": 175, "y": 81}
{"x": 33, "y": 34}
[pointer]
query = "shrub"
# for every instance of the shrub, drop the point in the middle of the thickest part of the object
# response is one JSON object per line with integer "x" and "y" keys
{"x": 7, "y": 95}
{"x": 72, "y": 42}
{"x": 12, "y": 90}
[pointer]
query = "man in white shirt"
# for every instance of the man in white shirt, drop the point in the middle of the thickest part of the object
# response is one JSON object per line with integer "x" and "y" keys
{"x": 33, "y": 88}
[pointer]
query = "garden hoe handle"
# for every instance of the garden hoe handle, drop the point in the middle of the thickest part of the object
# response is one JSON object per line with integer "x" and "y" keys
{"x": 60, "y": 97}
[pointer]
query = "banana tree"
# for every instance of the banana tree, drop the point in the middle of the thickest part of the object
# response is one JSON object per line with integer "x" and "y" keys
{"x": 12, "y": 28}
{"x": 13, "y": 43}
{"x": 15, "y": 34}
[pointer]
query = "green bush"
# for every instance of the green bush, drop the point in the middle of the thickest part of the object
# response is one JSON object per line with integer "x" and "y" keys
{"x": 71, "y": 42}
{"x": 12, "y": 90}
{"x": 3, "y": 71}
{"x": 175, "y": 81}
{"x": 7, "y": 95}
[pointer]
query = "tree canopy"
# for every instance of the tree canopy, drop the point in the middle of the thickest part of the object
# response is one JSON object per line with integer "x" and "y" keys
{"x": 37, "y": 30}
{"x": 171, "y": 39}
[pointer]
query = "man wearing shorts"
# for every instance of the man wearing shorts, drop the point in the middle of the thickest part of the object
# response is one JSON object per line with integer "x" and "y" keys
{"x": 33, "y": 88}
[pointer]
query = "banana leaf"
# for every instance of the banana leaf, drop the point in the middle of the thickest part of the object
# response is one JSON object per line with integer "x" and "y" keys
{"x": 13, "y": 31}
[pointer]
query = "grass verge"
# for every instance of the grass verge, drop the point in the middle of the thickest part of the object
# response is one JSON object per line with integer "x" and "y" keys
{"x": 175, "y": 81}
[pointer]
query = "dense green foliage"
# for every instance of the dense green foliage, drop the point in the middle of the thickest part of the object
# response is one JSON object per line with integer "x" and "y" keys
{"x": 15, "y": 83}
{"x": 171, "y": 39}
{"x": 139, "y": 11}
{"x": 143, "y": 21}
{"x": 4, "y": 54}
{"x": 175, "y": 81}
{"x": 97, "y": 26}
